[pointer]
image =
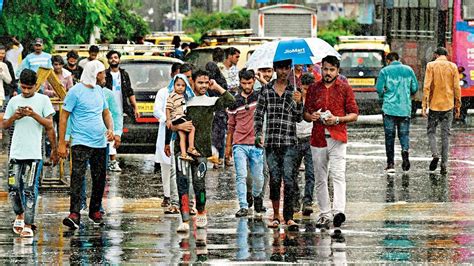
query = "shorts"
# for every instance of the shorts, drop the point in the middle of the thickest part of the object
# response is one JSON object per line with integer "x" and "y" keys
{"x": 180, "y": 120}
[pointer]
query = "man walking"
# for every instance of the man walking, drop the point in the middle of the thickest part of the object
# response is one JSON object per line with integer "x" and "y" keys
{"x": 72, "y": 66}
{"x": 118, "y": 81}
{"x": 93, "y": 53}
{"x": 36, "y": 59}
{"x": 86, "y": 108}
{"x": 330, "y": 105}
{"x": 200, "y": 110}
{"x": 241, "y": 136}
{"x": 441, "y": 94}
{"x": 395, "y": 85}
{"x": 283, "y": 106}
{"x": 229, "y": 68}
{"x": 30, "y": 112}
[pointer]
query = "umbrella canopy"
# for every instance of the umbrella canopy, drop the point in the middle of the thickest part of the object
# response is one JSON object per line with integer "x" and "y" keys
{"x": 300, "y": 51}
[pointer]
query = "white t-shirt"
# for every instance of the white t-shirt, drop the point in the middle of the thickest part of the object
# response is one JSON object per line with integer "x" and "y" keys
{"x": 26, "y": 140}
{"x": 14, "y": 56}
{"x": 117, "y": 89}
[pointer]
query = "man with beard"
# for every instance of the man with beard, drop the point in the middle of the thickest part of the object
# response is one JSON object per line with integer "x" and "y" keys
{"x": 118, "y": 80}
{"x": 72, "y": 66}
{"x": 330, "y": 104}
{"x": 283, "y": 107}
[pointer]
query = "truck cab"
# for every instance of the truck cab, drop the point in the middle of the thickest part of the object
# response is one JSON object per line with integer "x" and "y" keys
{"x": 362, "y": 58}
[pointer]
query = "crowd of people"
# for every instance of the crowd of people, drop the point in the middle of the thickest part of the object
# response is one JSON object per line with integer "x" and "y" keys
{"x": 265, "y": 122}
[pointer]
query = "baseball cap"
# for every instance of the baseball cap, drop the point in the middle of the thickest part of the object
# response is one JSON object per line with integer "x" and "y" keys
{"x": 38, "y": 41}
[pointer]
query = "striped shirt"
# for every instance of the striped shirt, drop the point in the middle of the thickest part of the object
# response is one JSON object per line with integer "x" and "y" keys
{"x": 282, "y": 115}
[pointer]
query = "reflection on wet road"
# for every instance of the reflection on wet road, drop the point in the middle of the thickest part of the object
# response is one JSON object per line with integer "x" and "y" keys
{"x": 414, "y": 217}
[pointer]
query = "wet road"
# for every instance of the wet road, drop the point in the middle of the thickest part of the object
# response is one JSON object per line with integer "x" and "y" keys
{"x": 414, "y": 217}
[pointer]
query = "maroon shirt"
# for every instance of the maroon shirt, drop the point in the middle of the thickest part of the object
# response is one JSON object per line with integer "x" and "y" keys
{"x": 340, "y": 100}
{"x": 240, "y": 119}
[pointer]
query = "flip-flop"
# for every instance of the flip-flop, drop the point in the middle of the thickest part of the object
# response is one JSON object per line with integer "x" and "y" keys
{"x": 274, "y": 224}
{"x": 18, "y": 224}
{"x": 27, "y": 232}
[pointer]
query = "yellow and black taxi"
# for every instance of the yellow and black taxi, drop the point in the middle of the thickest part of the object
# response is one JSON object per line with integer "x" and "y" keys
{"x": 148, "y": 74}
{"x": 362, "y": 58}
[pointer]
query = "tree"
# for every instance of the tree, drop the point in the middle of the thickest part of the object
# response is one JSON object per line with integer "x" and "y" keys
{"x": 339, "y": 27}
{"x": 69, "y": 21}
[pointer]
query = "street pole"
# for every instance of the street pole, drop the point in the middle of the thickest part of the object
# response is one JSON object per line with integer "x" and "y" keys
{"x": 442, "y": 7}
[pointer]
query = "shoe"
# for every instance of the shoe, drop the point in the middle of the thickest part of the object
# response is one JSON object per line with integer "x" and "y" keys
{"x": 434, "y": 163}
{"x": 250, "y": 199}
{"x": 406, "y": 161}
{"x": 307, "y": 209}
{"x": 172, "y": 210}
{"x": 201, "y": 220}
{"x": 443, "y": 170}
{"x": 242, "y": 213}
{"x": 72, "y": 221}
{"x": 183, "y": 228}
{"x": 166, "y": 202}
{"x": 96, "y": 217}
{"x": 339, "y": 219}
{"x": 323, "y": 223}
{"x": 114, "y": 166}
{"x": 390, "y": 168}
{"x": 258, "y": 206}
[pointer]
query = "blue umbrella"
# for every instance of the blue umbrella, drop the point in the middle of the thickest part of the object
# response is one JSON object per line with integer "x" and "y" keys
{"x": 296, "y": 49}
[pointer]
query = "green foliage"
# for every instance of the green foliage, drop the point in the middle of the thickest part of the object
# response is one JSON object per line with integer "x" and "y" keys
{"x": 69, "y": 21}
{"x": 200, "y": 21}
{"x": 339, "y": 27}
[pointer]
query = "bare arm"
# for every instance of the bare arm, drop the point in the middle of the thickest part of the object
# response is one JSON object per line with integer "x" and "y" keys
{"x": 133, "y": 102}
{"x": 109, "y": 124}
{"x": 52, "y": 139}
{"x": 62, "y": 133}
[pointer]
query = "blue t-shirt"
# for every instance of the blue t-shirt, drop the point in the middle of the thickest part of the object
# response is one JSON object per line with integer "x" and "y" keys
{"x": 34, "y": 61}
{"x": 85, "y": 106}
{"x": 28, "y": 133}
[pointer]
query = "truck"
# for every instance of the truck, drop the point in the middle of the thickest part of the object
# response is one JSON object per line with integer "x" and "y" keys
{"x": 284, "y": 20}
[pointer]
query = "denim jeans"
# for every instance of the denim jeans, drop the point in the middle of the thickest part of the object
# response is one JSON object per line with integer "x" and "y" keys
{"x": 445, "y": 119}
{"x": 304, "y": 151}
{"x": 96, "y": 157}
{"x": 402, "y": 127}
{"x": 251, "y": 156}
{"x": 282, "y": 164}
{"x": 23, "y": 180}
{"x": 197, "y": 170}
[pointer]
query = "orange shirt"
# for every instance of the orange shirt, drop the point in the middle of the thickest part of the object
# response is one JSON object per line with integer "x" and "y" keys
{"x": 441, "y": 91}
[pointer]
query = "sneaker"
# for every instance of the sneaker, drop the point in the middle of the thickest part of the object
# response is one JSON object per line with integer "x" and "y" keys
{"x": 166, "y": 202}
{"x": 114, "y": 166}
{"x": 96, "y": 217}
{"x": 323, "y": 223}
{"x": 307, "y": 209}
{"x": 390, "y": 168}
{"x": 72, "y": 221}
{"x": 183, "y": 228}
{"x": 242, "y": 212}
{"x": 250, "y": 199}
{"x": 201, "y": 220}
{"x": 258, "y": 205}
{"x": 434, "y": 163}
{"x": 338, "y": 219}
{"x": 406, "y": 161}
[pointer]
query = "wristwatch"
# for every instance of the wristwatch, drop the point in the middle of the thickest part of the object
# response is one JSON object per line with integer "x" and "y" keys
{"x": 337, "y": 120}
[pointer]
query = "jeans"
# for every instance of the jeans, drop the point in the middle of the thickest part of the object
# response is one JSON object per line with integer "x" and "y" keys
{"x": 330, "y": 160}
{"x": 402, "y": 125}
{"x": 304, "y": 150}
{"x": 96, "y": 157}
{"x": 197, "y": 169}
{"x": 445, "y": 119}
{"x": 282, "y": 164}
{"x": 23, "y": 180}
{"x": 253, "y": 156}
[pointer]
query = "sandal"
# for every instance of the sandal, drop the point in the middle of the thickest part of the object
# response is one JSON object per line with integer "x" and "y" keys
{"x": 172, "y": 210}
{"x": 292, "y": 226}
{"x": 274, "y": 224}
{"x": 18, "y": 226}
{"x": 27, "y": 232}
{"x": 186, "y": 157}
{"x": 194, "y": 152}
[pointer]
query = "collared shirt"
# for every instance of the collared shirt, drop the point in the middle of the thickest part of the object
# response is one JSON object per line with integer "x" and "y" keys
{"x": 441, "y": 90}
{"x": 231, "y": 75}
{"x": 340, "y": 100}
{"x": 282, "y": 115}
{"x": 395, "y": 85}
{"x": 240, "y": 119}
